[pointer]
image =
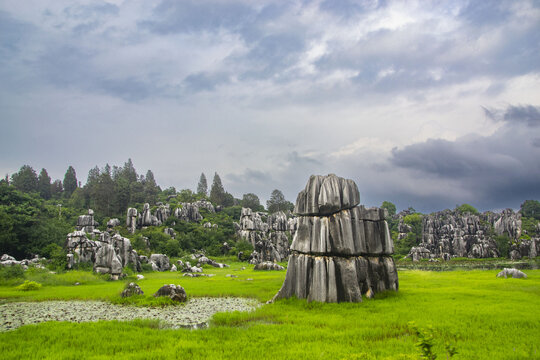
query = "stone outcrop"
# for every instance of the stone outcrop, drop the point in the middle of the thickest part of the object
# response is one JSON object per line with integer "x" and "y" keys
{"x": 270, "y": 239}
{"x": 204, "y": 260}
{"x": 131, "y": 289}
{"x": 108, "y": 262}
{"x": 108, "y": 254}
{"x": 159, "y": 262}
{"x": 131, "y": 220}
{"x": 112, "y": 223}
{"x": 188, "y": 212}
{"x": 524, "y": 248}
{"x": 146, "y": 218}
{"x": 163, "y": 212}
{"x": 174, "y": 292}
{"x": 87, "y": 223}
{"x": 341, "y": 251}
{"x": 515, "y": 273}
{"x": 268, "y": 265}
{"x": 8, "y": 260}
{"x": 447, "y": 233}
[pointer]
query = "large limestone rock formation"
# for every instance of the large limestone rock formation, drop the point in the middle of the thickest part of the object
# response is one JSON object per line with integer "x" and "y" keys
{"x": 188, "y": 212}
{"x": 340, "y": 251}
{"x": 447, "y": 233}
{"x": 109, "y": 255}
{"x": 269, "y": 239}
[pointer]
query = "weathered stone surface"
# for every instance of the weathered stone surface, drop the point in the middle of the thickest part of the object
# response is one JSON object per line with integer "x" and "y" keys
{"x": 188, "y": 212}
{"x": 525, "y": 248}
{"x": 131, "y": 220}
{"x": 325, "y": 195}
{"x": 268, "y": 265}
{"x": 163, "y": 212}
{"x": 448, "y": 233}
{"x": 269, "y": 238}
{"x": 175, "y": 292}
{"x": 159, "y": 262}
{"x": 113, "y": 223}
{"x": 170, "y": 232}
{"x": 107, "y": 261}
{"x": 131, "y": 289}
{"x": 343, "y": 233}
{"x": 87, "y": 223}
{"x": 340, "y": 251}
{"x": 515, "y": 273}
{"x": 204, "y": 260}
{"x": 7, "y": 257}
{"x": 419, "y": 252}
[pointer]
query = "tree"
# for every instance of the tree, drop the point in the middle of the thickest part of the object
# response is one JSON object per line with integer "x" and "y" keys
{"x": 56, "y": 189}
{"x": 277, "y": 202}
{"x": 150, "y": 188}
{"x": 25, "y": 180}
{"x": 251, "y": 201}
{"x": 202, "y": 187}
{"x": 466, "y": 208}
{"x": 531, "y": 209}
{"x": 70, "y": 181}
{"x": 217, "y": 192}
{"x": 390, "y": 207}
{"x": 44, "y": 184}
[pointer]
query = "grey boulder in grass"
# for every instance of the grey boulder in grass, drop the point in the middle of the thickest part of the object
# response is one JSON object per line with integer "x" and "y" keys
{"x": 175, "y": 292}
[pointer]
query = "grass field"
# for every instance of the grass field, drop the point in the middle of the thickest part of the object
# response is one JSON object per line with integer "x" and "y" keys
{"x": 484, "y": 317}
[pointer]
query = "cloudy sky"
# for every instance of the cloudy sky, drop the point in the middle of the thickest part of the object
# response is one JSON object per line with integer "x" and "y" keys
{"x": 425, "y": 104}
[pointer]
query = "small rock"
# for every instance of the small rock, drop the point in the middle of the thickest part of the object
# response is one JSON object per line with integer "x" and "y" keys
{"x": 175, "y": 292}
{"x": 131, "y": 289}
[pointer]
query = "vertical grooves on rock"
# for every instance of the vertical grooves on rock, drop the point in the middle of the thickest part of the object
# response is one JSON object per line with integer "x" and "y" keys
{"x": 341, "y": 250}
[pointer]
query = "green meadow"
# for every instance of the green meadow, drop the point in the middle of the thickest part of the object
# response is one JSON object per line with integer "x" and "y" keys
{"x": 481, "y": 316}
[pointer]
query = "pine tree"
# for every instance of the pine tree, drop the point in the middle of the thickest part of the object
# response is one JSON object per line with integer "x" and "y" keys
{"x": 202, "y": 187}
{"x": 44, "y": 184}
{"x": 217, "y": 192}
{"x": 56, "y": 189}
{"x": 70, "y": 181}
{"x": 25, "y": 180}
{"x": 277, "y": 202}
{"x": 150, "y": 188}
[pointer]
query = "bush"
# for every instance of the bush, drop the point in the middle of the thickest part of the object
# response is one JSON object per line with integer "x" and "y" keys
{"x": 10, "y": 273}
{"x": 28, "y": 285}
{"x": 466, "y": 208}
{"x": 503, "y": 244}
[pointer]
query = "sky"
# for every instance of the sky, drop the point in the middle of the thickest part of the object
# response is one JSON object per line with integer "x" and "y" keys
{"x": 428, "y": 104}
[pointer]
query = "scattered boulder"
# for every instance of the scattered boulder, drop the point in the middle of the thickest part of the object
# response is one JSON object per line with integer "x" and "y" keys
{"x": 131, "y": 289}
{"x": 173, "y": 268}
{"x": 515, "y": 273}
{"x": 140, "y": 276}
{"x": 268, "y": 265}
{"x": 340, "y": 250}
{"x": 175, "y": 292}
{"x": 204, "y": 260}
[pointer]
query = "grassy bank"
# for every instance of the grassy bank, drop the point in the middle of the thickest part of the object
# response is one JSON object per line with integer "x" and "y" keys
{"x": 482, "y": 316}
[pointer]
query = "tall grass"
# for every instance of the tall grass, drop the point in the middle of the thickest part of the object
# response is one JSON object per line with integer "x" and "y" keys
{"x": 482, "y": 316}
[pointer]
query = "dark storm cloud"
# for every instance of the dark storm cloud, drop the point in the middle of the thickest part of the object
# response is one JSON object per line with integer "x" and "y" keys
{"x": 497, "y": 168}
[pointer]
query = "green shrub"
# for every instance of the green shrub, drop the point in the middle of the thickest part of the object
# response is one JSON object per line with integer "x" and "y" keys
{"x": 11, "y": 272}
{"x": 28, "y": 285}
{"x": 466, "y": 208}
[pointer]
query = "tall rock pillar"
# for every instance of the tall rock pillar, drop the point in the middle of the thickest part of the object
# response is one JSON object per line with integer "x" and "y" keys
{"x": 341, "y": 251}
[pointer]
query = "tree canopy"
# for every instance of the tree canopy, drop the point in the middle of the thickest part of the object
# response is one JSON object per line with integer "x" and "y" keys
{"x": 277, "y": 202}
{"x": 70, "y": 181}
{"x": 202, "y": 186}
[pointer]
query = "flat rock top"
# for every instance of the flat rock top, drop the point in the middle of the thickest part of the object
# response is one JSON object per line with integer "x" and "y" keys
{"x": 325, "y": 195}
{"x": 195, "y": 312}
